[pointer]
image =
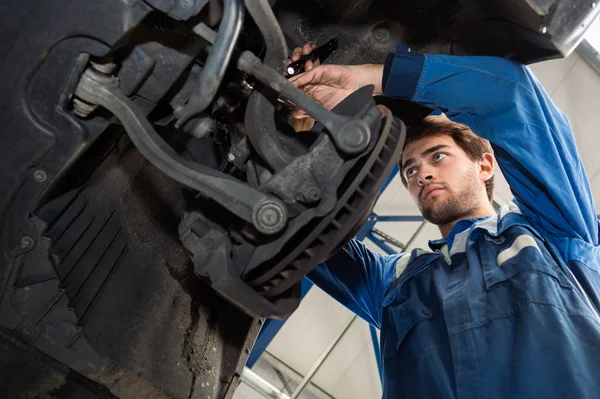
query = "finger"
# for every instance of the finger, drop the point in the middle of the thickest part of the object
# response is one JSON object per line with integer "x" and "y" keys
{"x": 308, "y": 65}
{"x": 297, "y": 54}
{"x": 309, "y": 47}
{"x": 302, "y": 125}
{"x": 298, "y": 113}
{"x": 317, "y": 62}
{"x": 313, "y": 76}
{"x": 297, "y": 80}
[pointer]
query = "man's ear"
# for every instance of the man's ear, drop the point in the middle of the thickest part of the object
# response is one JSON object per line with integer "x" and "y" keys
{"x": 486, "y": 167}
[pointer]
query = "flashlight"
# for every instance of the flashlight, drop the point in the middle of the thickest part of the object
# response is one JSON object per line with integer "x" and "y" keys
{"x": 320, "y": 53}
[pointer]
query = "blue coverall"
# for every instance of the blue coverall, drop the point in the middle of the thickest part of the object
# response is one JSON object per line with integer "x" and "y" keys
{"x": 506, "y": 306}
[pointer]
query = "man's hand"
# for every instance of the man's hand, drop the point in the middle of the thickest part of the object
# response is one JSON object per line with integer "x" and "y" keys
{"x": 330, "y": 84}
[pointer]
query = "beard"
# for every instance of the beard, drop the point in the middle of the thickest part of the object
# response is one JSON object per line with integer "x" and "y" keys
{"x": 455, "y": 206}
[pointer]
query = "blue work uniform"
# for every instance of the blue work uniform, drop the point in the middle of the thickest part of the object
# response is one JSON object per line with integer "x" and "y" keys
{"x": 506, "y": 306}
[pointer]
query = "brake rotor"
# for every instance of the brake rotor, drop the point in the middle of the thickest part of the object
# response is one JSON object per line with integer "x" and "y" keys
{"x": 315, "y": 242}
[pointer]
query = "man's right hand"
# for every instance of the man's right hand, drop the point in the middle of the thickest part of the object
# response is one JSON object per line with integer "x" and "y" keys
{"x": 330, "y": 84}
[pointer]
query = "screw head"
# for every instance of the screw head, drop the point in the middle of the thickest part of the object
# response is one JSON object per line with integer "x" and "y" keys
{"x": 543, "y": 30}
{"x": 28, "y": 332}
{"x": 187, "y": 3}
{"x": 27, "y": 242}
{"x": 40, "y": 176}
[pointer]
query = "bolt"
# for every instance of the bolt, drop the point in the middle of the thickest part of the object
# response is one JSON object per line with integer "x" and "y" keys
{"x": 187, "y": 3}
{"x": 269, "y": 217}
{"x": 310, "y": 194}
{"x": 40, "y": 176}
{"x": 247, "y": 351}
{"x": 28, "y": 332}
{"x": 203, "y": 127}
{"x": 381, "y": 34}
{"x": 543, "y": 30}
{"x": 27, "y": 242}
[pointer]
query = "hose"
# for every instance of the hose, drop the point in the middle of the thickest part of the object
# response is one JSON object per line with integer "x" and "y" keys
{"x": 213, "y": 71}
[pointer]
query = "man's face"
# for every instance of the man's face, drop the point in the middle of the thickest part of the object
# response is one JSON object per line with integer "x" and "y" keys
{"x": 445, "y": 184}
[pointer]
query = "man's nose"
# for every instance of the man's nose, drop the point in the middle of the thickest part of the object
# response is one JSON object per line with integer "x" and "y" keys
{"x": 425, "y": 177}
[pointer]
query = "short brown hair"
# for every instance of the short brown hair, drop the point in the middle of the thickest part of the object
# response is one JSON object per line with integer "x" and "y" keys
{"x": 473, "y": 145}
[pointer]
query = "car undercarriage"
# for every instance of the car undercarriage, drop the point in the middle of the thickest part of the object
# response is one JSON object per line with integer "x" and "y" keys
{"x": 158, "y": 205}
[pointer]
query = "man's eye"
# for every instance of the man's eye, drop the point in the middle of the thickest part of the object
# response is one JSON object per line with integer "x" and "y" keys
{"x": 411, "y": 172}
{"x": 439, "y": 156}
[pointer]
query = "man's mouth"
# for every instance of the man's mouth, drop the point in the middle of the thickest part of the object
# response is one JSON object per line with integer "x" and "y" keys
{"x": 429, "y": 190}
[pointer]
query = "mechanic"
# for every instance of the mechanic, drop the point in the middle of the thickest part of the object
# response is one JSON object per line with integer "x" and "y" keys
{"x": 506, "y": 304}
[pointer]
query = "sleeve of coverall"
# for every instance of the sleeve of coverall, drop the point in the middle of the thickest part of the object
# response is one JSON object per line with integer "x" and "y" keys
{"x": 502, "y": 101}
{"x": 357, "y": 278}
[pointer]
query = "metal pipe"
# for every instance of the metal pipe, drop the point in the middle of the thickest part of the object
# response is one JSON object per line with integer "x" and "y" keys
{"x": 322, "y": 358}
{"x": 590, "y": 55}
{"x": 381, "y": 244}
{"x": 262, "y": 13}
{"x": 261, "y": 386}
{"x": 414, "y": 236}
{"x": 213, "y": 71}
